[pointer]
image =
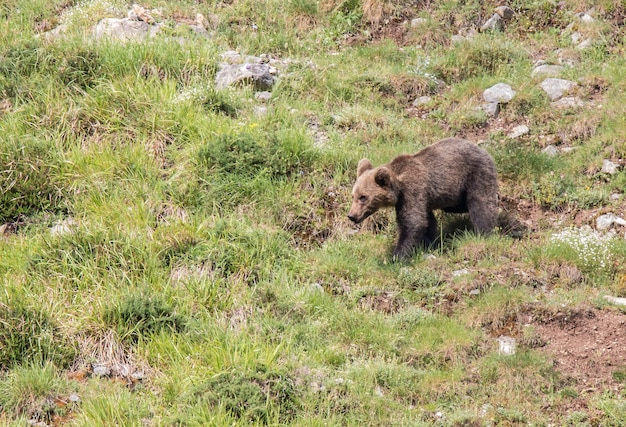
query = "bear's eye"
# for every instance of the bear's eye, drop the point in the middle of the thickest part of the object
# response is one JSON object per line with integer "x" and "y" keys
{"x": 362, "y": 199}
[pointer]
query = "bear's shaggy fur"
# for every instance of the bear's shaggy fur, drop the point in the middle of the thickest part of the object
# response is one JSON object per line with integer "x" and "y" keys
{"x": 453, "y": 175}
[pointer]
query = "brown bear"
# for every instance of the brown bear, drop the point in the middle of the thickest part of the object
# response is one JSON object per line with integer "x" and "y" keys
{"x": 453, "y": 175}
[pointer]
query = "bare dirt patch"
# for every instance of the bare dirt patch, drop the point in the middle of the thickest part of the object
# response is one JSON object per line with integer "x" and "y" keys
{"x": 588, "y": 348}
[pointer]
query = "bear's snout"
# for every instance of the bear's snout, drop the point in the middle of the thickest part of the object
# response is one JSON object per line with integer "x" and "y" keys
{"x": 353, "y": 218}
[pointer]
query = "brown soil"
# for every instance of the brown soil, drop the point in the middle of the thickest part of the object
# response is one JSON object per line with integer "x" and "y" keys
{"x": 588, "y": 348}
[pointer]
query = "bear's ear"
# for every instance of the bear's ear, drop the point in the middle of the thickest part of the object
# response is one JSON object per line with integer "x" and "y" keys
{"x": 383, "y": 177}
{"x": 364, "y": 165}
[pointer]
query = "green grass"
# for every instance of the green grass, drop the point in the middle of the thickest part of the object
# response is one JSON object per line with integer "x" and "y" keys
{"x": 201, "y": 251}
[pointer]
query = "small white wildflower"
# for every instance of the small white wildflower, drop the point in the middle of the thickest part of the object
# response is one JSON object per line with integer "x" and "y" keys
{"x": 591, "y": 248}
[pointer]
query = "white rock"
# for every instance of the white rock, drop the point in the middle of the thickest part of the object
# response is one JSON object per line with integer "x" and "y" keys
{"x": 556, "y": 88}
{"x": 518, "y": 131}
{"x": 615, "y": 300}
{"x": 550, "y": 150}
{"x": 263, "y": 96}
{"x": 507, "y": 345}
{"x": 416, "y": 22}
{"x": 584, "y": 44}
{"x": 461, "y": 272}
{"x": 583, "y": 17}
{"x": 609, "y": 167}
{"x": 500, "y": 93}
{"x": 568, "y": 102}
{"x": 547, "y": 70}
{"x": 606, "y": 221}
{"x": 421, "y": 100}
{"x": 125, "y": 30}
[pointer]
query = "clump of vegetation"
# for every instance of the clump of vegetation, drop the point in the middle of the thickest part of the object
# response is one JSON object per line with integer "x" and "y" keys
{"x": 263, "y": 396}
{"x": 30, "y": 178}
{"x": 140, "y": 316}
{"x": 30, "y": 335}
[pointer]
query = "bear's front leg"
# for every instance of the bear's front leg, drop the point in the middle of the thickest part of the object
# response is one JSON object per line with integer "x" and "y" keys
{"x": 412, "y": 228}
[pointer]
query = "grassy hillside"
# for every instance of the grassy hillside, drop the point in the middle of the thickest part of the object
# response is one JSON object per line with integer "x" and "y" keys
{"x": 174, "y": 254}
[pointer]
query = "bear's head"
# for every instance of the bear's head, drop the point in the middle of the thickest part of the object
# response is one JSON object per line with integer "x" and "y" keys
{"x": 373, "y": 189}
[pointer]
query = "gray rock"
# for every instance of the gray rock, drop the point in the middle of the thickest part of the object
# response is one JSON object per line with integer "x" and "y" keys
{"x": 609, "y": 167}
{"x": 256, "y": 74}
{"x": 495, "y": 23}
{"x": 550, "y": 150}
{"x": 568, "y": 102}
{"x": 606, "y": 221}
{"x": 556, "y": 88}
{"x": 421, "y": 100}
{"x": 547, "y": 70}
{"x": 518, "y": 131}
{"x": 576, "y": 37}
{"x": 491, "y": 108}
{"x": 500, "y": 93}
{"x": 125, "y": 29}
{"x": 505, "y": 12}
{"x": 74, "y": 398}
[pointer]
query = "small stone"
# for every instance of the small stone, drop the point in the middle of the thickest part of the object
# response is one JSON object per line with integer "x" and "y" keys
{"x": 606, "y": 221}
{"x": 609, "y": 167}
{"x": 461, "y": 272}
{"x": 505, "y": 12}
{"x": 518, "y": 131}
{"x": 260, "y": 111}
{"x": 421, "y": 100}
{"x": 576, "y": 37}
{"x": 551, "y": 151}
{"x": 585, "y": 44}
{"x": 317, "y": 288}
{"x": 568, "y": 102}
{"x": 583, "y": 17}
{"x": 495, "y": 23}
{"x": 500, "y": 93}
{"x": 491, "y": 108}
{"x": 263, "y": 96}
{"x": 74, "y": 398}
{"x": 138, "y": 375}
{"x": 378, "y": 391}
{"x": 557, "y": 88}
{"x": 457, "y": 38}
{"x": 101, "y": 370}
{"x": 547, "y": 70}
{"x": 474, "y": 292}
{"x": 416, "y": 22}
{"x": 507, "y": 345}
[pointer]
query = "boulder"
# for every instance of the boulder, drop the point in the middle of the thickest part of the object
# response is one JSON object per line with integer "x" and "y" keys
{"x": 557, "y": 88}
